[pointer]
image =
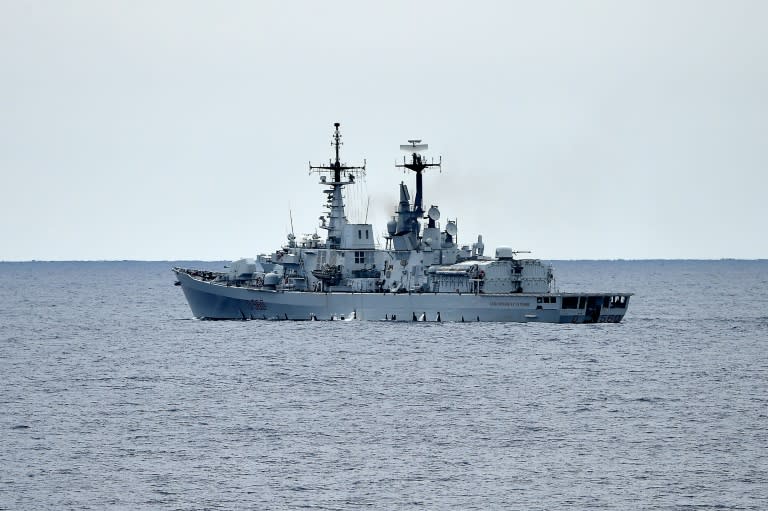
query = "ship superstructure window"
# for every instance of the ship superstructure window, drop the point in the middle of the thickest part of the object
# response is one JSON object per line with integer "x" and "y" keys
{"x": 359, "y": 257}
{"x": 360, "y": 234}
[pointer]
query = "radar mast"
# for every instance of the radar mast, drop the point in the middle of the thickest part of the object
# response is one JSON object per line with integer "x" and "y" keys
{"x": 417, "y": 164}
{"x": 336, "y": 170}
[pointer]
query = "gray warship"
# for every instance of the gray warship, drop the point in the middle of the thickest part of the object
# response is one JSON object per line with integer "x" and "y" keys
{"x": 421, "y": 274}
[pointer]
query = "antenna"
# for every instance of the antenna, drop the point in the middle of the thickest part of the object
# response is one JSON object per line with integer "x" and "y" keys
{"x": 290, "y": 214}
{"x": 331, "y": 175}
{"x": 417, "y": 164}
{"x": 336, "y": 168}
{"x": 414, "y": 145}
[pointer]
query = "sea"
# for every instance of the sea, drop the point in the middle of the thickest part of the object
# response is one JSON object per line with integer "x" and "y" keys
{"x": 113, "y": 397}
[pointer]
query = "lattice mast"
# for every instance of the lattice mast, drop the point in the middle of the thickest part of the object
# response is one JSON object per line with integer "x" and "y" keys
{"x": 334, "y": 219}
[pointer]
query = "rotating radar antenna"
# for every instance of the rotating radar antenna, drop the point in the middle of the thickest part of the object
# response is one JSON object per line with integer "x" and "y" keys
{"x": 414, "y": 146}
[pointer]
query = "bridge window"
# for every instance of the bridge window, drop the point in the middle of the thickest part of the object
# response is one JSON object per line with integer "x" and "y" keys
{"x": 359, "y": 257}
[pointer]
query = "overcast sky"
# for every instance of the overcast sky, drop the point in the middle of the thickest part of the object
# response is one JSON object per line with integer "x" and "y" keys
{"x": 183, "y": 130}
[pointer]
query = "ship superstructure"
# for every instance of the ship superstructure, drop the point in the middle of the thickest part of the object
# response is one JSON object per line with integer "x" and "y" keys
{"x": 421, "y": 274}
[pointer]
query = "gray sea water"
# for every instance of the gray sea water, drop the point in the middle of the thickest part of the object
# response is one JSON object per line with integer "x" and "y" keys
{"x": 111, "y": 397}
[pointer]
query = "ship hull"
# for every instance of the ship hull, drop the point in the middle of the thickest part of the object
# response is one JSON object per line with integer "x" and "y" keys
{"x": 218, "y": 301}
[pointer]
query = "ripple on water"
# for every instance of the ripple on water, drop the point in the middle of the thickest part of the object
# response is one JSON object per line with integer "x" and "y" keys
{"x": 111, "y": 400}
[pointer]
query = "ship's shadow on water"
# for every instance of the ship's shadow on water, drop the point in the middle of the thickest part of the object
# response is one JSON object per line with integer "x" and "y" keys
{"x": 116, "y": 398}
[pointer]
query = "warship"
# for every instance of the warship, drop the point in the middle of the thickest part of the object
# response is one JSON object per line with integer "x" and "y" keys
{"x": 421, "y": 274}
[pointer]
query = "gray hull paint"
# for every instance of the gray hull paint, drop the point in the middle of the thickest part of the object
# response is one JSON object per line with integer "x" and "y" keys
{"x": 217, "y": 301}
{"x": 421, "y": 272}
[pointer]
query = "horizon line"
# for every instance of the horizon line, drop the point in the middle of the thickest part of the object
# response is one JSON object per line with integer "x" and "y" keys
{"x": 618, "y": 259}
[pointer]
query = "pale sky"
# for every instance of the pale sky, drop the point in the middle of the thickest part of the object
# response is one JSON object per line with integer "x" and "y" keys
{"x": 574, "y": 129}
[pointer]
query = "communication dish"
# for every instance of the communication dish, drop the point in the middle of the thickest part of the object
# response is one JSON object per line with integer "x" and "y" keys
{"x": 451, "y": 228}
{"x": 434, "y": 213}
